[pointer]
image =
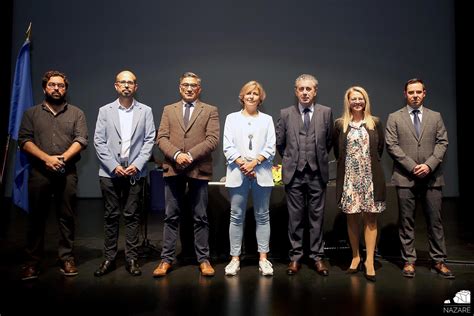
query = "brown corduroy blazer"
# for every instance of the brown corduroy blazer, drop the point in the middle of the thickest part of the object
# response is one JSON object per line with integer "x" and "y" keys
{"x": 200, "y": 138}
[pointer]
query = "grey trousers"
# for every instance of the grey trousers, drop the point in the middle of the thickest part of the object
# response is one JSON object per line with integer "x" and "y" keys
{"x": 430, "y": 199}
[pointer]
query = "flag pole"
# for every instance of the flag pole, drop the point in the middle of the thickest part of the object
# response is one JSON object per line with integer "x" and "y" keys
{"x": 28, "y": 32}
{"x": 7, "y": 145}
{"x": 5, "y": 155}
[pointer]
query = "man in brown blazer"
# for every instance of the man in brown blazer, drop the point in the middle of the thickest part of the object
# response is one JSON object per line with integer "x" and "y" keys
{"x": 188, "y": 134}
{"x": 417, "y": 142}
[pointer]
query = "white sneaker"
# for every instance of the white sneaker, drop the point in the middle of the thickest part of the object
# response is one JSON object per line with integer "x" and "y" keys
{"x": 233, "y": 267}
{"x": 265, "y": 267}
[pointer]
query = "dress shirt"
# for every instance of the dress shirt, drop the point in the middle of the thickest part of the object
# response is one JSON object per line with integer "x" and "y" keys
{"x": 420, "y": 114}
{"x": 126, "y": 121}
{"x": 311, "y": 111}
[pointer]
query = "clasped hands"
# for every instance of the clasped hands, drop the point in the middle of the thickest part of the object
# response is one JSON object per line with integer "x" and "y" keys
{"x": 55, "y": 163}
{"x": 246, "y": 167}
{"x": 183, "y": 160}
{"x": 131, "y": 170}
{"x": 421, "y": 170}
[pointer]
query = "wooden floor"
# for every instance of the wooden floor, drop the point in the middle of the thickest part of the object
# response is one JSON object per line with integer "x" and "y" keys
{"x": 184, "y": 291}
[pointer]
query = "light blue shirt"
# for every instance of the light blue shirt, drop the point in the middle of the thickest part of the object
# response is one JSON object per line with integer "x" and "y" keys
{"x": 412, "y": 116}
{"x": 239, "y": 130}
{"x": 126, "y": 121}
{"x": 311, "y": 111}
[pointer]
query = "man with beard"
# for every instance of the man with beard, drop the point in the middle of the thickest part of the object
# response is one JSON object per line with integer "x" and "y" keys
{"x": 52, "y": 133}
{"x": 124, "y": 138}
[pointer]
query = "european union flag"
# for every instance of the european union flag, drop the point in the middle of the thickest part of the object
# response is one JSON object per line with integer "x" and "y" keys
{"x": 22, "y": 99}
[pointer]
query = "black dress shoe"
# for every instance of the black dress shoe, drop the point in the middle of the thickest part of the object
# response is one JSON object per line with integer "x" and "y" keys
{"x": 104, "y": 268}
{"x": 133, "y": 268}
{"x": 321, "y": 268}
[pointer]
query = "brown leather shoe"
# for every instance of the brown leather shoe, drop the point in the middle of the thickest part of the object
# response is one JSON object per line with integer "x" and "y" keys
{"x": 408, "y": 270}
{"x": 206, "y": 269}
{"x": 293, "y": 268}
{"x": 68, "y": 268}
{"x": 162, "y": 269}
{"x": 442, "y": 269}
{"x": 321, "y": 267}
{"x": 29, "y": 272}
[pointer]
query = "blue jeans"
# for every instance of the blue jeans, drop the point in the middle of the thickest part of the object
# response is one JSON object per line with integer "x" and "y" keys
{"x": 238, "y": 207}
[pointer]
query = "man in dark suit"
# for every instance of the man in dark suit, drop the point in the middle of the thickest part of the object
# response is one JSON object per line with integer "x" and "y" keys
{"x": 417, "y": 142}
{"x": 188, "y": 134}
{"x": 304, "y": 134}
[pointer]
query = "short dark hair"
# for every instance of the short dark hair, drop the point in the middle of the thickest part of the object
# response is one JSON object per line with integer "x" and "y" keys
{"x": 53, "y": 73}
{"x": 412, "y": 81}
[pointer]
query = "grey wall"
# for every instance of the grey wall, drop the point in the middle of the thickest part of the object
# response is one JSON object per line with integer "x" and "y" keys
{"x": 375, "y": 44}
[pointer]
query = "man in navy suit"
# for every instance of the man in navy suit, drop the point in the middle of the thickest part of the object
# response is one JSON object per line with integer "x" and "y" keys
{"x": 124, "y": 138}
{"x": 304, "y": 139}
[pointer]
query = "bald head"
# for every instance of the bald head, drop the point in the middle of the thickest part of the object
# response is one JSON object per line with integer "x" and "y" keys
{"x": 126, "y": 84}
{"x": 125, "y": 74}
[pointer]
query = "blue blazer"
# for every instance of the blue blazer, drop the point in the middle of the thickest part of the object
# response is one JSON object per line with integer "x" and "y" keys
{"x": 108, "y": 141}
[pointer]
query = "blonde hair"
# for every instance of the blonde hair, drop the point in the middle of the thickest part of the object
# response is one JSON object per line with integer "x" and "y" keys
{"x": 249, "y": 86}
{"x": 347, "y": 114}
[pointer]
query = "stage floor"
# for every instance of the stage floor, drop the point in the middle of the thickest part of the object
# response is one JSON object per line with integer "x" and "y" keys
{"x": 183, "y": 291}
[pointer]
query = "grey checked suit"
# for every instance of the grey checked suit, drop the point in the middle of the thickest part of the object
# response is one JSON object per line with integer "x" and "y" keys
{"x": 407, "y": 151}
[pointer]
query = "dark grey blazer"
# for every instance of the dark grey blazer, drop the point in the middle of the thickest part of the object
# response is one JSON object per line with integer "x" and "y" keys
{"x": 287, "y": 139}
{"x": 407, "y": 150}
{"x": 376, "y": 143}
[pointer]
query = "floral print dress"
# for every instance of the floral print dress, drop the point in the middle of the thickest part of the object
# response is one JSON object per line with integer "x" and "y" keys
{"x": 358, "y": 189}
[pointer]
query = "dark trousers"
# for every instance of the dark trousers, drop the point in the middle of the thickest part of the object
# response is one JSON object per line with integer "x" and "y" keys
{"x": 306, "y": 194}
{"x": 121, "y": 197}
{"x": 175, "y": 195}
{"x": 44, "y": 187}
{"x": 431, "y": 199}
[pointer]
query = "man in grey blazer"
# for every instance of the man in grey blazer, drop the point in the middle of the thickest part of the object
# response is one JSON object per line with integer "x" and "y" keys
{"x": 187, "y": 136}
{"x": 417, "y": 142}
{"x": 304, "y": 139}
{"x": 124, "y": 138}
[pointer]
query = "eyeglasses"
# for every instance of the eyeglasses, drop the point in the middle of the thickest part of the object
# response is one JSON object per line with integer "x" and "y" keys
{"x": 54, "y": 85}
{"x": 193, "y": 86}
{"x": 124, "y": 82}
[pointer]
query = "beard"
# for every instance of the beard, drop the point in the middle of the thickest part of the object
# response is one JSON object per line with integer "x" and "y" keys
{"x": 54, "y": 100}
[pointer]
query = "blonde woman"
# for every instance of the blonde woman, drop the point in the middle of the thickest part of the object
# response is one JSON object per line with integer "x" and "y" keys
{"x": 249, "y": 148}
{"x": 360, "y": 182}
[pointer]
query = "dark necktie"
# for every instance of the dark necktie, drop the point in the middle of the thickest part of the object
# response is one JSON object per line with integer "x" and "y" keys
{"x": 187, "y": 111}
{"x": 306, "y": 119}
{"x": 416, "y": 122}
